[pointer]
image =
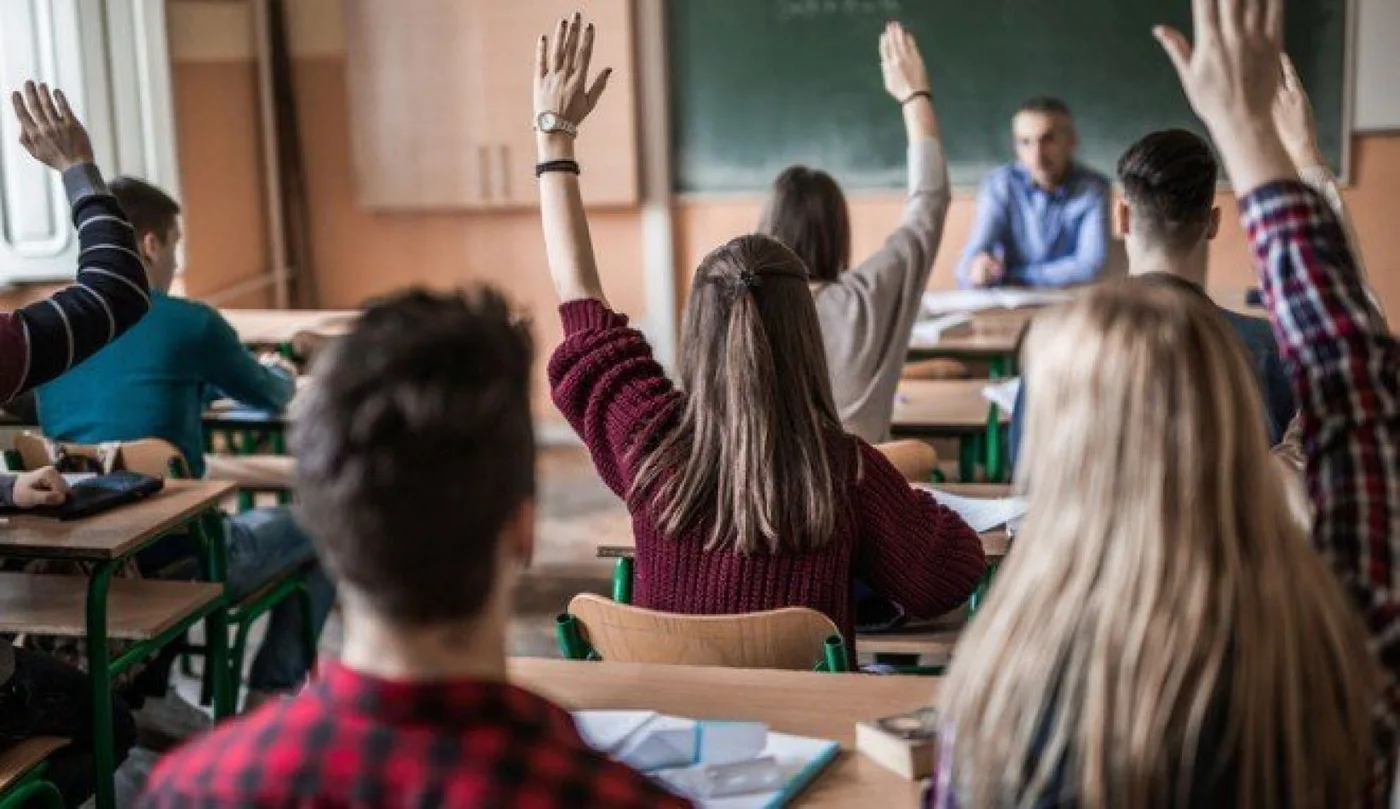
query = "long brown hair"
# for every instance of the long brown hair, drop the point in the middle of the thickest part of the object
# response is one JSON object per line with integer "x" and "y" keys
{"x": 751, "y": 455}
{"x": 807, "y": 212}
{"x": 1162, "y": 623}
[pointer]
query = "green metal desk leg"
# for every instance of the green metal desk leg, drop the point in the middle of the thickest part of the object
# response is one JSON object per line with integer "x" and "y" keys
{"x": 999, "y": 367}
{"x": 622, "y": 580}
{"x": 209, "y": 531}
{"x": 979, "y": 594}
{"x": 967, "y": 459}
{"x": 996, "y": 461}
{"x": 100, "y": 676}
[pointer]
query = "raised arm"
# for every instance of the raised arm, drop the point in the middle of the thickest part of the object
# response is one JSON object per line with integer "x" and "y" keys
{"x": 1090, "y": 254}
{"x": 43, "y": 340}
{"x": 563, "y": 99}
{"x": 1344, "y": 363}
{"x": 1297, "y": 128}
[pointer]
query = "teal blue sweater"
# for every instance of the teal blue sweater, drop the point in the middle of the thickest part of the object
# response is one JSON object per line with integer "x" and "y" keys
{"x": 154, "y": 381}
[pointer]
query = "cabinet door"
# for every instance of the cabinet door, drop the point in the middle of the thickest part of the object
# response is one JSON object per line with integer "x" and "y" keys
{"x": 607, "y": 149}
{"x": 418, "y": 125}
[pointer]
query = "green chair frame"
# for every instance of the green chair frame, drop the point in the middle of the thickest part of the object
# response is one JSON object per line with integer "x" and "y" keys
{"x": 32, "y": 789}
{"x": 243, "y": 614}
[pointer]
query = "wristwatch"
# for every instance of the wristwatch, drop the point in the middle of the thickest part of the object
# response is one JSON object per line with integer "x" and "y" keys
{"x": 551, "y": 122}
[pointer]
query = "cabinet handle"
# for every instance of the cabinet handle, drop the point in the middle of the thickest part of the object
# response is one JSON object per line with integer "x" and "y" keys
{"x": 503, "y": 159}
{"x": 483, "y": 178}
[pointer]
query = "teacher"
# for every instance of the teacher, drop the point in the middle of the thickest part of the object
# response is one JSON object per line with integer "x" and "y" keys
{"x": 1043, "y": 220}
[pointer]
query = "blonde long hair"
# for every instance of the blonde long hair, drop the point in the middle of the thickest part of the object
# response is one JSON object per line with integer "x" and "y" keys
{"x": 1161, "y": 621}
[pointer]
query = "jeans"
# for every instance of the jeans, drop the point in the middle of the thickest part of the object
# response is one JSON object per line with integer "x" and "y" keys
{"x": 47, "y": 697}
{"x": 262, "y": 545}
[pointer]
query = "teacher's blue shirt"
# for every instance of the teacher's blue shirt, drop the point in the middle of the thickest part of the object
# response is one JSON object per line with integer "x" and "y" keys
{"x": 1043, "y": 238}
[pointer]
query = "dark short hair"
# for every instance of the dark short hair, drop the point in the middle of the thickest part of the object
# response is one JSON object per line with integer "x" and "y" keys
{"x": 150, "y": 209}
{"x": 807, "y": 212}
{"x": 1169, "y": 180}
{"x": 1045, "y": 105}
{"x": 415, "y": 448}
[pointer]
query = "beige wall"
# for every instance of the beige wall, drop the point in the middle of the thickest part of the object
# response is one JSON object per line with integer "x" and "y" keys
{"x": 359, "y": 255}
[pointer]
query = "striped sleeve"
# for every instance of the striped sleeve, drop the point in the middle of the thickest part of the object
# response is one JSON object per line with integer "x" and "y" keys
{"x": 1343, "y": 362}
{"x": 44, "y": 339}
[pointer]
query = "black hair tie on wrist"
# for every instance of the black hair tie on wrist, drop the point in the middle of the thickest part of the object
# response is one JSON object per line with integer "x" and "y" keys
{"x": 570, "y": 166}
{"x": 917, "y": 94}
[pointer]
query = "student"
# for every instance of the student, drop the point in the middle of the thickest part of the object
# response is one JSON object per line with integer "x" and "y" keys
{"x": 867, "y": 312}
{"x": 1168, "y": 217}
{"x": 418, "y": 428}
{"x": 1165, "y": 636}
{"x": 1043, "y": 220}
{"x": 154, "y": 383}
{"x": 745, "y": 493}
{"x": 39, "y": 695}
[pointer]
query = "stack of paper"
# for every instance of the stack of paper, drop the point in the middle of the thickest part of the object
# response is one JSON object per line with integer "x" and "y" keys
{"x": 1003, "y": 394}
{"x": 929, "y": 331}
{"x": 981, "y": 513}
{"x": 941, "y": 302}
{"x": 719, "y": 765}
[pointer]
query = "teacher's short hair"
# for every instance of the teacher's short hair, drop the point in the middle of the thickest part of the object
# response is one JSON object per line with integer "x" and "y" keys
{"x": 1046, "y": 105}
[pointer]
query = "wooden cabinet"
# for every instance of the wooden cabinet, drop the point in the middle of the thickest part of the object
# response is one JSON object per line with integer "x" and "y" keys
{"x": 441, "y": 107}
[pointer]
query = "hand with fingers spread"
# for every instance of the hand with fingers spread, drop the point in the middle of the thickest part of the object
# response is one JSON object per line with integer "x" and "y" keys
{"x": 1293, "y": 117}
{"x": 562, "y": 90}
{"x": 48, "y": 128}
{"x": 1231, "y": 78}
{"x": 42, "y": 487}
{"x": 901, "y": 64}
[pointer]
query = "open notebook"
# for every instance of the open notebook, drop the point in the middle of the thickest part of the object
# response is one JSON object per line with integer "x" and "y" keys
{"x": 693, "y": 757}
{"x": 942, "y": 302}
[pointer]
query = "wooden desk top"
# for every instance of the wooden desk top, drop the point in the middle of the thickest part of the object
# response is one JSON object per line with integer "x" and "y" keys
{"x": 18, "y": 759}
{"x": 994, "y": 333}
{"x": 115, "y": 533}
{"x": 814, "y": 704}
{"x": 277, "y": 326}
{"x": 137, "y": 609}
{"x": 941, "y": 407}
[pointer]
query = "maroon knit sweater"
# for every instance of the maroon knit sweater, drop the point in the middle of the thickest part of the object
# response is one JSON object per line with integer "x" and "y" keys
{"x": 895, "y": 538}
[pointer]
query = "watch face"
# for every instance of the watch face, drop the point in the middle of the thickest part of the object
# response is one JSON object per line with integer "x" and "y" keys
{"x": 548, "y": 122}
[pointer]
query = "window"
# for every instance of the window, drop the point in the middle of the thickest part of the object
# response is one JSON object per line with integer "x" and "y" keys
{"x": 112, "y": 60}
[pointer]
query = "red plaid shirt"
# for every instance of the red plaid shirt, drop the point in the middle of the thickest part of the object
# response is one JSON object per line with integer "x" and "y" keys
{"x": 1345, "y": 366}
{"x": 351, "y": 740}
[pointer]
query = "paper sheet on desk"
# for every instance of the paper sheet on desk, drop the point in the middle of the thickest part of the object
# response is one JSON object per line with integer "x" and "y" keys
{"x": 929, "y": 331}
{"x": 981, "y": 513}
{"x": 1003, "y": 394}
{"x": 942, "y": 302}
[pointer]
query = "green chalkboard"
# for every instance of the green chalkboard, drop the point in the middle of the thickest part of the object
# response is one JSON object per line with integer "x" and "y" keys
{"x": 761, "y": 84}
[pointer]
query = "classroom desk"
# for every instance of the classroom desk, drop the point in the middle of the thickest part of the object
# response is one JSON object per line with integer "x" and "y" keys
{"x": 105, "y": 540}
{"x": 953, "y": 408}
{"x": 820, "y": 705}
{"x": 276, "y": 327}
{"x": 992, "y": 335}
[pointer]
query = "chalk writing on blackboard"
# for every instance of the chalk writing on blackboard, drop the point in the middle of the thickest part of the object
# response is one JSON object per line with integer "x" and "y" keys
{"x": 811, "y": 9}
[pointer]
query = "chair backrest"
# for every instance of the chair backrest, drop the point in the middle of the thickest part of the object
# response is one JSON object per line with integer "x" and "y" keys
{"x": 788, "y": 638}
{"x": 914, "y": 459}
{"x": 148, "y": 456}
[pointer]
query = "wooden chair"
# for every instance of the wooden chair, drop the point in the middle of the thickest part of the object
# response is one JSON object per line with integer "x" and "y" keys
{"x": 159, "y": 458}
{"x": 22, "y": 771}
{"x": 914, "y": 459}
{"x": 938, "y": 368}
{"x": 792, "y": 638}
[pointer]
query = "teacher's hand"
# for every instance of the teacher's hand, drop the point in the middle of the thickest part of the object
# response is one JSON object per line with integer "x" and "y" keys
{"x": 985, "y": 271}
{"x": 561, "y": 72}
{"x": 900, "y": 63}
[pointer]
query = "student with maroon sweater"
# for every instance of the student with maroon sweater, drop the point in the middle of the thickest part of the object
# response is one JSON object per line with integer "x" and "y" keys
{"x": 745, "y": 492}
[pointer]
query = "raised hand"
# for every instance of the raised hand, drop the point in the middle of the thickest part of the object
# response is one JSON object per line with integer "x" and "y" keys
{"x": 1231, "y": 77}
{"x": 1293, "y": 117}
{"x": 42, "y": 487}
{"x": 900, "y": 63}
{"x": 49, "y": 130}
{"x": 561, "y": 72}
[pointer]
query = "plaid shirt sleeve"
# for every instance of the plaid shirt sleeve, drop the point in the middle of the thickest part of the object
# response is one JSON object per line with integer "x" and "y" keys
{"x": 1345, "y": 367}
